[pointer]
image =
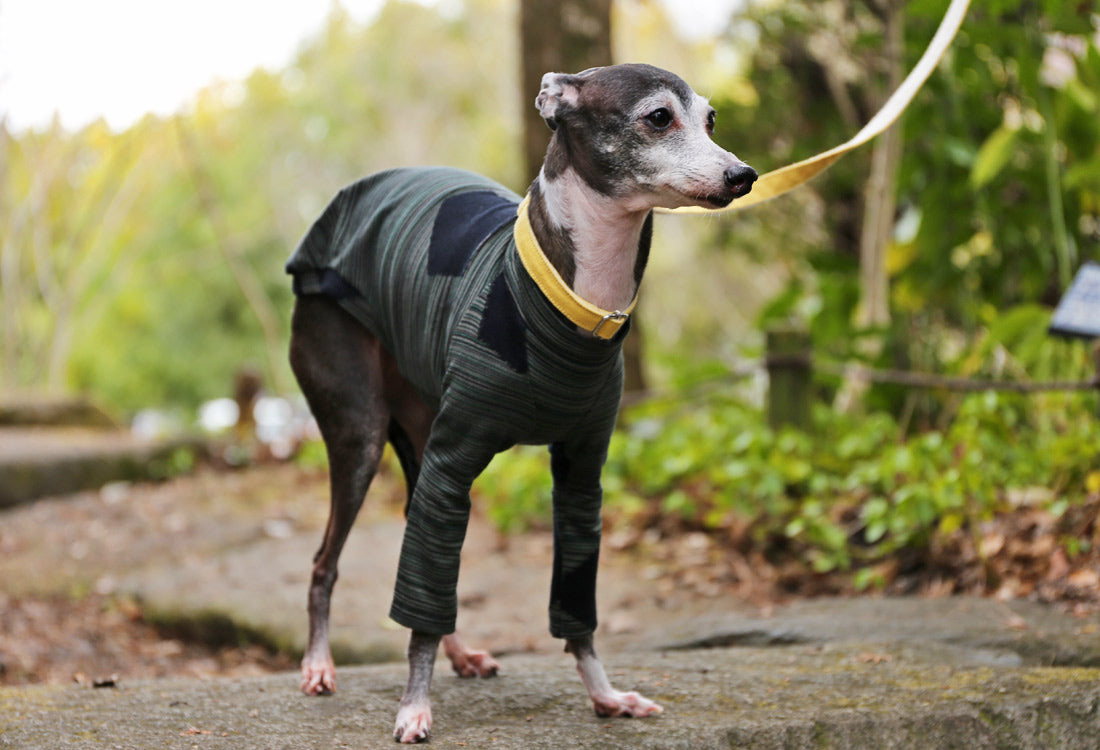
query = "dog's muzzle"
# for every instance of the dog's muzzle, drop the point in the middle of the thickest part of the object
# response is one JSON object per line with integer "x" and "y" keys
{"x": 739, "y": 179}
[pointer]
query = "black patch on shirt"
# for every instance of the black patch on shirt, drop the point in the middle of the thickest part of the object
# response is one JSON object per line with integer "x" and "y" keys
{"x": 502, "y": 328}
{"x": 463, "y": 223}
{"x": 575, "y": 590}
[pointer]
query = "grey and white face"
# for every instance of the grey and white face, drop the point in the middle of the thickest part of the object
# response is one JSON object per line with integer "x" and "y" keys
{"x": 640, "y": 134}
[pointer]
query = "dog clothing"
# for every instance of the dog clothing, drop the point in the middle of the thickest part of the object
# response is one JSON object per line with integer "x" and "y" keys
{"x": 427, "y": 260}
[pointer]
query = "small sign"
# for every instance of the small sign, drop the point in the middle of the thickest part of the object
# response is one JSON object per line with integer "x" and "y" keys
{"x": 1078, "y": 314}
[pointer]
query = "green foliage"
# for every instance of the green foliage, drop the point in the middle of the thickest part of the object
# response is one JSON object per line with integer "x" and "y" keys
{"x": 993, "y": 156}
{"x": 994, "y": 183}
{"x": 312, "y": 456}
{"x": 998, "y": 194}
{"x": 517, "y": 488}
{"x": 176, "y": 463}
{"x": 146, "y": 266}
{"x": 855, "y": 492}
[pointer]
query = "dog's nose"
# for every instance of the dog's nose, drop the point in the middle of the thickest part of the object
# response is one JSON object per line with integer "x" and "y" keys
{"x": 739, "y": 179}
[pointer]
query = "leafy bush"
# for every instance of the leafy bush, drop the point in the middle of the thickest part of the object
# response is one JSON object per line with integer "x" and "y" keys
{"x": 516, "y": 489}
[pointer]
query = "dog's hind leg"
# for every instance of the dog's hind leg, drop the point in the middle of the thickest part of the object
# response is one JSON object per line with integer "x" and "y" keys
{"x": 408, "y": 455}
{"x": 338, "y": 364}
{"x": 468, "y": 662}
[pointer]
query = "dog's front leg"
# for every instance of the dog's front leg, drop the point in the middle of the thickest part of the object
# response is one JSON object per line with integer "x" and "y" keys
{"x": 577, "y": 524}
{"x": 425, "y": 596}
{"x": 414, "y": 717}
{"x": 605, "y": 699}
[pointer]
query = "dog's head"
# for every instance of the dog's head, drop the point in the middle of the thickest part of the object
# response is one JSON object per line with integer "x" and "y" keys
{"x": 639, "y": 131}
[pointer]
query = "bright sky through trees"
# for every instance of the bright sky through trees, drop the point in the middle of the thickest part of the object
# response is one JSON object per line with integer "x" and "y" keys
{"x": 119, "y": 59}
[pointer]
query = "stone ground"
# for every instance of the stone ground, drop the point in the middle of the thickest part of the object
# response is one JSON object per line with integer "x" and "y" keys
{"x": 837, "y": 695}
{"x": 227, "y": 555}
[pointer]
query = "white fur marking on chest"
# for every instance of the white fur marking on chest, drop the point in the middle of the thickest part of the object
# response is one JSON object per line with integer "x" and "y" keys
{"x": 604, "y": 235}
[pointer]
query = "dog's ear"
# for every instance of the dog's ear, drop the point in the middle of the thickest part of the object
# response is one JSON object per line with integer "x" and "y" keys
{"x": 559, "y": 92}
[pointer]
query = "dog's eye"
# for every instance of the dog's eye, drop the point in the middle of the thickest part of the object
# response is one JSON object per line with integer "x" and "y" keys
{"x": 710, "y": 121}
{"x": 659, "y": 118}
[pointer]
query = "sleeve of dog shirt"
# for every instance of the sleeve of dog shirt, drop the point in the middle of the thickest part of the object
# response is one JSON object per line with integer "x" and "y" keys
{"x": 425, "y": 596}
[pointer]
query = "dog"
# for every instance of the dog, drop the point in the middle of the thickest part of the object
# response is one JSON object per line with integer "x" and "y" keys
{"x": 437, "y": 311}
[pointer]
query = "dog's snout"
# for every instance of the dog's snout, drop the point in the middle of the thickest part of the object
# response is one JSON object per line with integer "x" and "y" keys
{"x": 739, "y": 179}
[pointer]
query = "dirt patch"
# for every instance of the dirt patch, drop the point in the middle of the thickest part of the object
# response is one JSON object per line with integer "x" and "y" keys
{"x": 61, "y": 614}
{"x": 100, "y": 640}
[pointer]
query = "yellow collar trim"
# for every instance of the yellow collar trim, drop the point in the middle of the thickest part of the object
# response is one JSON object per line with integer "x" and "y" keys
{"x": 583, "y": 314}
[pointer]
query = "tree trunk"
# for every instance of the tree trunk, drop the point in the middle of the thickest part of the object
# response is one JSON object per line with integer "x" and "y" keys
{"x": 557, "y": 36}
{"x": 879, "y": 207}
{"x": 880, "y": 197}
{"x": 541, "y": 46}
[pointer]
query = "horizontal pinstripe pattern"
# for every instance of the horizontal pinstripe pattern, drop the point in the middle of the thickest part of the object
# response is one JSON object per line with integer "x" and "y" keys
{"x": 484, "y": 347}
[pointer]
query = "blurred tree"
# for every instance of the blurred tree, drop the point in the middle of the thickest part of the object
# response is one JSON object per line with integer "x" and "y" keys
{"x": 66, "y": 204}
{"x": 880, "y": 191}
{"x": 564, "y": 36}
{"x": 147, "y": 267}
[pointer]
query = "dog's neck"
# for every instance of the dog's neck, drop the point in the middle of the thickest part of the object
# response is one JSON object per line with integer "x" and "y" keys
{"x": 598, "y": 245}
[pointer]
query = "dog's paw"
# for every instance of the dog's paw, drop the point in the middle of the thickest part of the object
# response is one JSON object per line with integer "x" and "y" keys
{"x": 474, "y": 664}
{"x": 467, "y": 662}
{"x": 629, "y": 704}
{"x": 318, "y": 676}
{"x": 414, "y": 724}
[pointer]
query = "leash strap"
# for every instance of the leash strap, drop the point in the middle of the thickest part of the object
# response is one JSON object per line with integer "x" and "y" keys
{"x": 601, "y": 323}
{"x": 784, "y": 179}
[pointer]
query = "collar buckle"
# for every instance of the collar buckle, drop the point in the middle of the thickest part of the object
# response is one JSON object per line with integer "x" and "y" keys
{"x": 617, "y": 316}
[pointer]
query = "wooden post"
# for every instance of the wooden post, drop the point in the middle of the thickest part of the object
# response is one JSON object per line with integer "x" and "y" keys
{"x": 789, "y": 377}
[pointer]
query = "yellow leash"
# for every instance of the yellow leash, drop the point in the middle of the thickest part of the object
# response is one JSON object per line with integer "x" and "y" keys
{"x": 779, "y": 181}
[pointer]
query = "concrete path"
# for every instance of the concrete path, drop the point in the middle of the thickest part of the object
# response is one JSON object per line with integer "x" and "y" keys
{"x": 806, "y": 696}
{"x": 44, "y": 461}
{"x": 233, "y": 551}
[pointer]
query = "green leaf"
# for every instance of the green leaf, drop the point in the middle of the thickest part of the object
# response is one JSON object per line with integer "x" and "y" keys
{"x": 1080, "y": 95}
{"x": 865, "y": 578}
{"x": 992, "y": 157}
{"x": 874, "y": 532}
{"x": 951, "y": 523}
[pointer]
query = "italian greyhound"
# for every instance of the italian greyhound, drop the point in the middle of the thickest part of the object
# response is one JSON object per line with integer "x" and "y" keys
{"x": 433, "y": 313}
